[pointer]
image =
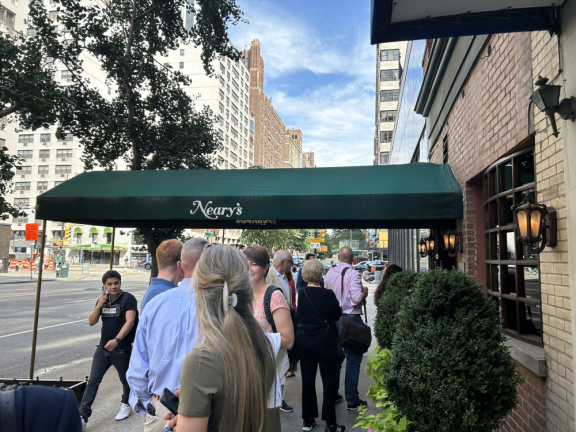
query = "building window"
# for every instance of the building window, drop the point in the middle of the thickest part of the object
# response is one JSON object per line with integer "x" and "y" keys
{"x": 387, "y": 116}
{"x": 389, "y": 95}
{"x": 181, "y": 65}
{"x": 24, "y": 170}
{"x": 21, "y": 202}
{"x": 384, "y": 158}
{"x": 63, "y": 153}
{"x": 43, "y": 169}
{"x": 21, "y": 219}
{"x": 386, "y": 136}
{"x": 66, "y": 76}
{"x": 58, "y": 183}
{"x": 31, "y": 32}
{"x": 53, "y": 15}
{"x": 45, "y": 137}
{"x": 387, "y": 55}
{"x": 512, "y": 278}
{"x": 7, "y": 17}
{"x": 22, "y": 186}
{"x": 63, "y": 169}
{"x": 68, "y": 137}
{"x": 181, "y": 52}
{"x": 42, "y": 186}
{"x": 44, "y": 154}
{"x": 25, "y": 154}
{"x": 29, "y": 138}
{"x": 390, "y": 75}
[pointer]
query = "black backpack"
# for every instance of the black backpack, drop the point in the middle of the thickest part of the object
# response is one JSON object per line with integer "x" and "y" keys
{"x": 294, "y": 353}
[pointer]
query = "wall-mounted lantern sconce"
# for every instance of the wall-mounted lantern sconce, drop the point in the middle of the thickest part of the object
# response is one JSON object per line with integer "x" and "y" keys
{"x": 535, "y": 224}
{"x": 422, "y": 248}
{"x": 546, "y": 99}
{"x": 452, "y": 242}
{"x": 429, "y": 242}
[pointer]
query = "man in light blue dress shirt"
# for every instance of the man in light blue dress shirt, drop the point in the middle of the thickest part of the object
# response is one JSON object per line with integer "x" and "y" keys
{"x": 167, "y": 332}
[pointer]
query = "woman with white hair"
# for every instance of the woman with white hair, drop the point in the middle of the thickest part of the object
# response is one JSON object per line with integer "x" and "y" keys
{"x": 318, "y": 311}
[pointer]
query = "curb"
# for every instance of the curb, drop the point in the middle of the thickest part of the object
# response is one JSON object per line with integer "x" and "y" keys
{"x": 26, "y": 281}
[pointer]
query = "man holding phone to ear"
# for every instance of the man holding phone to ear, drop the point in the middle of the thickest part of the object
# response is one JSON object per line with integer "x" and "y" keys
{"x": 118, "y": 310}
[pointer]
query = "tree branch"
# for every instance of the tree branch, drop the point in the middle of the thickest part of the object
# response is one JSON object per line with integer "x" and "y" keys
{"x": 150, "y": 9}
{"x": 18, "y": 102}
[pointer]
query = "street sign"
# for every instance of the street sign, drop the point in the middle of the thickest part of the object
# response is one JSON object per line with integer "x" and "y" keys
{"x": 314, "y": 240}
{"x": 323, "y": 248}
{"x": 314, "y": 245}
{"x": 32, "y": 231}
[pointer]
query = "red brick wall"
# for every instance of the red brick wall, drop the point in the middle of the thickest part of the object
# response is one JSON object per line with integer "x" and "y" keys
{"x": 530, "y": 415}
{"x": 487, "y": 121}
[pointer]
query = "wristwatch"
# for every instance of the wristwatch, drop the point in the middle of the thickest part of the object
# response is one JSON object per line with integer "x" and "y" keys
{"x": 117, "y": 339}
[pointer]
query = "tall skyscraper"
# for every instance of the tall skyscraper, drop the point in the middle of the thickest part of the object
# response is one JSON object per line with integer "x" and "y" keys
{"x": 390, "y": 59}
{"x": 269, "y": 129}
{"x": 293, "y": 148}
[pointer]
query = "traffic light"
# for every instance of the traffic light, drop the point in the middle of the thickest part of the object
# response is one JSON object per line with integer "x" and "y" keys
{"x": 366, "y": 235}
{"x": 67, "y": 231}
{"x": 322, "y": 238}
{"x": 217, "y": 233}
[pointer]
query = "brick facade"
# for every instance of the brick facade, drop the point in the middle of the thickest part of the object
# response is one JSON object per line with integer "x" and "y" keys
{"x": 531, "y": 412}
{"x": 269, "y": 129}
{"x": 487, "y": 122}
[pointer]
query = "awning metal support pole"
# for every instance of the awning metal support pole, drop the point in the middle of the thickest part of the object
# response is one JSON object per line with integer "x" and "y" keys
{"x": 112, "y": 248}
{"x": 37, "y": 308}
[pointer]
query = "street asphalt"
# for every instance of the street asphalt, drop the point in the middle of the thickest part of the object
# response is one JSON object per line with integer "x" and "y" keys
{"x": 66, "y": 343}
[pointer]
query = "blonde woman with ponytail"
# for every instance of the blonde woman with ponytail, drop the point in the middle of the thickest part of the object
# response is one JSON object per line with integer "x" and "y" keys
{"x": 226, "y": 380}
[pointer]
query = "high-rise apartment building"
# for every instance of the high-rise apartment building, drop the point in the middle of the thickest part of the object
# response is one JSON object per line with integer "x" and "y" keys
{"x": 269, "y": 130}
{"x": 293, "y": 148}
{"x": 390, "y": 58}
{"x": 308, "y": 160}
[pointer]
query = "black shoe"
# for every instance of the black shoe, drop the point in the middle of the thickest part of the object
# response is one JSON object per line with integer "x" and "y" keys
{"x": 338, "y": 398}
{"x": 309, "y": 424}
{"x": 335, "y": 428}
{"x": 357, "y": 406}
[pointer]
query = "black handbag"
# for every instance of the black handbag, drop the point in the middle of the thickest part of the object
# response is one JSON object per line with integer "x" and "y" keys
{"x": 352, "y": 335}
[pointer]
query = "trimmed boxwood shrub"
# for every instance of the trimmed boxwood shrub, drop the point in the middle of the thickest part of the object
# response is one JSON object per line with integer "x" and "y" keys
{"x": 449, "y": 369}
{"x": 398, "y": 288}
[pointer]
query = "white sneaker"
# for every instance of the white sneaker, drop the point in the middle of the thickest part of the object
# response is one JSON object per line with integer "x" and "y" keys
{"x": 83, "y": 424}
{"x": 124, "y": 412}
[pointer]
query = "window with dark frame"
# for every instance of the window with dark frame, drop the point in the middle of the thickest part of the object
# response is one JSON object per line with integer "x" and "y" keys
{"x": 512, "y": 279}
{"x": 386, "y": 136}
{"x": 387, "y": 55}
{"x": 388, "y": 116}
{"x": 389, "y": 95}
{"x": 390, "y": 75}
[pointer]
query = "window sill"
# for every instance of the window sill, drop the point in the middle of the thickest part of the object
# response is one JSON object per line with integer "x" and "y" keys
{"x": 529, "y": 356}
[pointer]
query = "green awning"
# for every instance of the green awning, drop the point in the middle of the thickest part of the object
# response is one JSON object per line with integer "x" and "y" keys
{"x": 97, "y": 247}
{"x": 107, "y": 230}
{"x": 78, "y": 230}
{"x": 419, "y": 195}
{"x": 93, "y": 230}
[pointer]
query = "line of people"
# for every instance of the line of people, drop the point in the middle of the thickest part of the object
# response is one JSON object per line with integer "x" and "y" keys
{"x": 216, "y": 329}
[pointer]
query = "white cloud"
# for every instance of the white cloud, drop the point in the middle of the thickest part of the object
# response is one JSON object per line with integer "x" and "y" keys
{"x": 335, "y": 111}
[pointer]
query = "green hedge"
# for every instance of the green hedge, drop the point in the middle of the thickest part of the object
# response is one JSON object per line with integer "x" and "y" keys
{"x": 449, "y": 369}
{"x": 398, "y": 288}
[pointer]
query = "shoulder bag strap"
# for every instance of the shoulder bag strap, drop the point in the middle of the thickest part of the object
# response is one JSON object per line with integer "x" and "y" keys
{"x": 267, "y": 300}
{"x": 314, "y": 307}
{"x": 342, "y": 285}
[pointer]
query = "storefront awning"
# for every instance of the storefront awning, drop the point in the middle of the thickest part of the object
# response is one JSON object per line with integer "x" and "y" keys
{"x": 97, "y": 247}
{"x": 93, "y": 230}
{"x": 401, "y": 20}
{"x": 78, "y": 230}
{"x": 391, "y": 196}
{"x": 107, "y": 230}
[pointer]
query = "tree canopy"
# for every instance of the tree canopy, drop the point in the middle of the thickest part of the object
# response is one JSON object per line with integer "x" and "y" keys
{"x": 273, "y": 240}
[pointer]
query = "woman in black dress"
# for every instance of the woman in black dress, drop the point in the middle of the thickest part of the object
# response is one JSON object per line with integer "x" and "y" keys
{"x": 318, "y": 311}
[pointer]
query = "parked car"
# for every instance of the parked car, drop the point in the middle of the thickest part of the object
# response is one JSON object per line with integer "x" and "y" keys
{"x": 329, "y": 263}
{"x": 361, "y": 266}
{"x": 146, "y": 263}
{"x": 375, "y": 266}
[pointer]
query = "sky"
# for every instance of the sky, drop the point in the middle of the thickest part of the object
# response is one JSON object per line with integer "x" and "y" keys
{"x": 319, "y": 70}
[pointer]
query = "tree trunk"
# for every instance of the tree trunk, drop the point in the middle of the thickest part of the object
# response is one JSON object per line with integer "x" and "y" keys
{"x": 152, "y": 243}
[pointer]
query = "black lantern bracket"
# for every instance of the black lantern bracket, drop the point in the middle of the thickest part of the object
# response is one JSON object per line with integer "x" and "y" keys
{"x": 452, "y": 242}
{"x": 546, "y": 98}
{"x": 536, "y": 225}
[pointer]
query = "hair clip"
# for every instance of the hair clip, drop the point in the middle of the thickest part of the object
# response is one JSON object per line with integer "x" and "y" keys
{"x": 228, "y": 300}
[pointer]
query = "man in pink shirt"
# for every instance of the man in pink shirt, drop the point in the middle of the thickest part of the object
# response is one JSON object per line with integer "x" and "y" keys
{"x": 351, "y": 299}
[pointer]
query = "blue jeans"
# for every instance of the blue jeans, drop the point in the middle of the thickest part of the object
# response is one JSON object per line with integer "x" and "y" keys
{"x": 353, "y": 361}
